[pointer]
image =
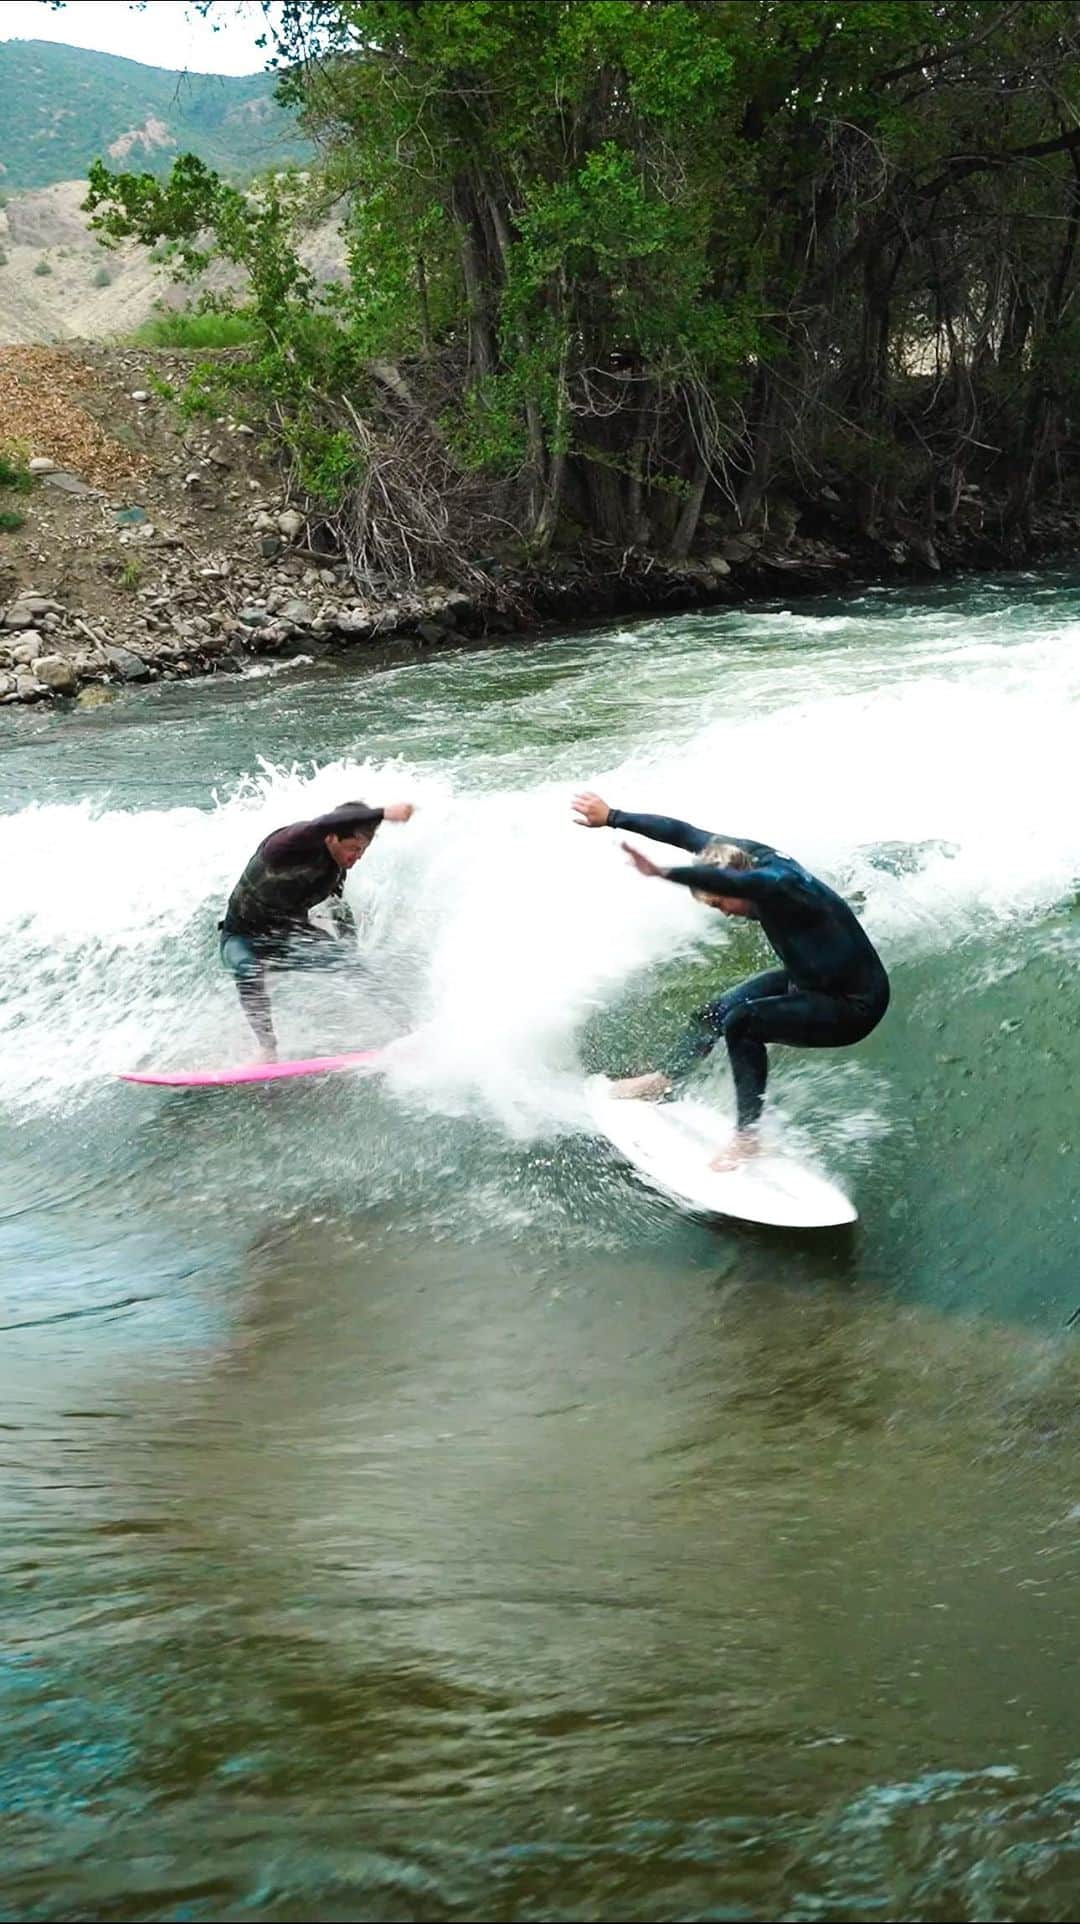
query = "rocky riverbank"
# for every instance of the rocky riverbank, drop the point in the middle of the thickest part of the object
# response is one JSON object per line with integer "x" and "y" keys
{"x": 151, "y": 548}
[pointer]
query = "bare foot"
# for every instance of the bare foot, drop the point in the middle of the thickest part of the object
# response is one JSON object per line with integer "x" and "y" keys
{"x": 744, "y": 1147}
{"x": 642, "y": 1088}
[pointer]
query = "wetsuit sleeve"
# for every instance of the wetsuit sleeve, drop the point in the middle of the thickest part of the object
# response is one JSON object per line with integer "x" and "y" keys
{"x": 661, "y": 828}
{"x": 751, "y": 884}
{"x": 667, "y": 828}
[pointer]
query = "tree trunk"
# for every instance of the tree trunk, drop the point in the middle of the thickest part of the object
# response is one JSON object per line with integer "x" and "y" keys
{"x": 482, "y": 355}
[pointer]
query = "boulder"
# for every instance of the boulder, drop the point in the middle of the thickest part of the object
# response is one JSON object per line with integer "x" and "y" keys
{"x": 300, "y": 612}
{"x": 57, "y": 673}
{"x": 354, "y": 621}
{"x": 432, "y": 631}
{"x": 128, "y": 665}
{"x": 68, "y": 483}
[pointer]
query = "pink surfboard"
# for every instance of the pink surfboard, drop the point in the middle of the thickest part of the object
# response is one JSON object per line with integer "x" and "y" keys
{"x": 254, "y": 1071}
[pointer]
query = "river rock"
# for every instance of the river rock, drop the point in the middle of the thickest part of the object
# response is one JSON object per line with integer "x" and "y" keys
{"x": 128, "y": 665}
{"x": 301, "y": 613}
{"x": 254, "y": 617}
{"x": 355, "y": 622}
{"x": 28, "y": 688}
{"x": 95, "y": 697}
{"x": 291, "y": 524}
{"x": 432, "y": 631}
{"x": 68, "y": 483}
{"x": 718, "y": 564}
{"x": 739, "y": 547}
{"x": 56, "y": 672}
{"x": 24, "y": 647}
{"x": 41, "y": 464}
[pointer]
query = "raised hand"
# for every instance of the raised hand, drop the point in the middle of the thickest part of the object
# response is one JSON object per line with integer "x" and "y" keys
{"x": 398, "y": 811}
{"x": 642, "y": 863}
{"x": 590, "y": 811}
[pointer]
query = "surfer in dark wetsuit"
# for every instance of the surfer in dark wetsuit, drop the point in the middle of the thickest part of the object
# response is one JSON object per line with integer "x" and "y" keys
{"x": 266, "y": 919}
{"x": 832, "y": 989}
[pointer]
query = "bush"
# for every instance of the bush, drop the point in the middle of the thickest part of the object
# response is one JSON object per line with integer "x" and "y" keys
{"x": 10, "y": 520}
{"x": 196, "y": 329}
{"x": 43, "y": 267}
{"x": 14, "y": 472}
{"x": 102, "y": 277}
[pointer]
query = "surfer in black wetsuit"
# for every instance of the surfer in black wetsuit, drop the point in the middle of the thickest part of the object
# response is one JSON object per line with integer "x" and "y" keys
{"x": 831, "y": 990}
{"x": 266, "y": 919}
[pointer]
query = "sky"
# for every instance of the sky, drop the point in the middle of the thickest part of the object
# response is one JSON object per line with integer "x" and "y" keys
{"x": 166, "y": 33}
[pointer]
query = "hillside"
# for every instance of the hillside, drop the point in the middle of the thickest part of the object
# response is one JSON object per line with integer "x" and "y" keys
{"x": 57, "y": 282}
{"x": 65, "y": 106}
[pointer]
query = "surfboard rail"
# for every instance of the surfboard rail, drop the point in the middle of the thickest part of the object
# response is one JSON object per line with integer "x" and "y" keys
{"x": 253, "y": 1071}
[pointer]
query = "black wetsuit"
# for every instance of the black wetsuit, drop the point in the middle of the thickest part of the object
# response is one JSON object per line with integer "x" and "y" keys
{"x": 832, "y": 989}
{"x": 266, "y": 919}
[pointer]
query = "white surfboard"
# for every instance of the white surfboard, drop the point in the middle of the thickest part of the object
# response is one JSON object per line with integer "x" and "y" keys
{"x": 671, "y": 1145}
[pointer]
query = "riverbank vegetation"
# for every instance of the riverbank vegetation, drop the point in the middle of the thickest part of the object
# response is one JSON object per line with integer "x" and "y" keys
{"x": 653, "y": 275}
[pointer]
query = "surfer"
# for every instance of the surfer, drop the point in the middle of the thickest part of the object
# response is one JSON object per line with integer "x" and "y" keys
{"x": 266, "y": 920}
{"x": 831, "y": 991}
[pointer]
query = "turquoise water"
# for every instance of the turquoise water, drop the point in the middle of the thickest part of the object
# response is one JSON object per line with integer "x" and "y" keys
{"x": 404, "y": 1513}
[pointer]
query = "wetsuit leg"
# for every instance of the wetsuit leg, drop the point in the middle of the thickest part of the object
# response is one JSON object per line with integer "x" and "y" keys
{"x": 241, "y": 956}
{"x": 804, "y": 1018}
{"x": 708, "y": 1024}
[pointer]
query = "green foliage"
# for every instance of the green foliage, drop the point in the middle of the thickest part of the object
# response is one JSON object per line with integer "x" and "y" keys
{"x": 130, "y": 574}
{"x": 3, "y": 258}
{"x": 102, "y": 277}
{"x": 200, "y": 328}
{"x": 63, "y": 106}
{"x": 42, "y": 267}
{"x": 15, "y": 478}
{"x": 14, "y": 473}
{"x": 660, "y": 247}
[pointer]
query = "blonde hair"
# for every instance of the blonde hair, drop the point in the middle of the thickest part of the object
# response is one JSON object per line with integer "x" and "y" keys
{"x": 725, "y": 855}
{"x": 720, "y": 855}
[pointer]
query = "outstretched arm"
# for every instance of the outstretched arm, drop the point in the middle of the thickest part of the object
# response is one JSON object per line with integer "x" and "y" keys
{"x": 591, "y": 811}
{"x": 748, "y": 884}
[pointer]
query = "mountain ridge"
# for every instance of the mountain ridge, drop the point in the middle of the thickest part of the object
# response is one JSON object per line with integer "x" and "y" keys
{"x": 66, "y": 106}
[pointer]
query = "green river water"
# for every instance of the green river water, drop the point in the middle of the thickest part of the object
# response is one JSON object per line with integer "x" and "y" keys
{"x": 403, "y": 1513}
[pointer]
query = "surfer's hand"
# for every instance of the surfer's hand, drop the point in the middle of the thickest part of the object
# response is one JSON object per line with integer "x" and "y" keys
{"x": 642, "y": 863}
{"x": 590, "y": 811}
{"x": 397, "y": 811}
